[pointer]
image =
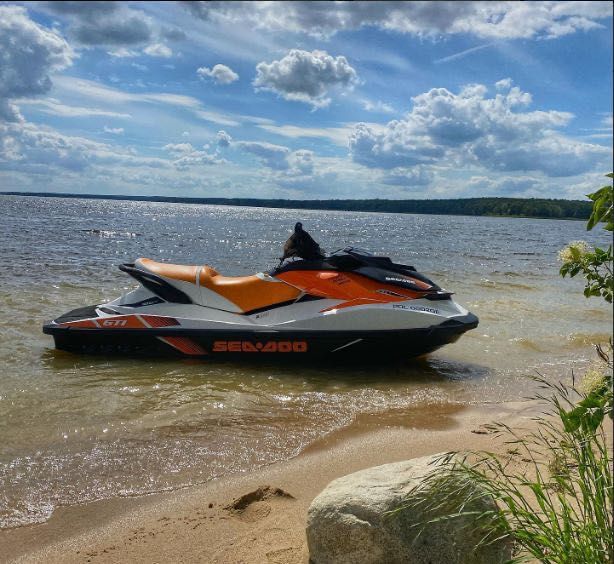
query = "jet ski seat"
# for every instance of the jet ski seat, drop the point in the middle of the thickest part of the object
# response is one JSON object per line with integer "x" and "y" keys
{"x": 246, "y": 292}
{"x": 181, "y": 272}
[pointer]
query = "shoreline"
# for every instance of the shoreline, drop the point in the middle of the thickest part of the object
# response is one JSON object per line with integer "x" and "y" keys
{"x": 434, "y": 206}
{"x": 197, "y": 523}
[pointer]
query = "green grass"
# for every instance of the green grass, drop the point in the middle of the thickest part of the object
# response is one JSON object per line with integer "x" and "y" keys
{"x": 556, "y": 505}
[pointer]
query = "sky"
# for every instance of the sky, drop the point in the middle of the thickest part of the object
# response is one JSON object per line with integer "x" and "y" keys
{"x": 306, "y": 100}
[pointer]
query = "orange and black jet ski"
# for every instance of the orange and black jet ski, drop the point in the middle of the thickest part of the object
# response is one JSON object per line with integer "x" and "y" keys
{"x": 348, "y": 303}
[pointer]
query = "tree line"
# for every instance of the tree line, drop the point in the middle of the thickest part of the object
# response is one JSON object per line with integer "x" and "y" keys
{"x": 499, "y": 207}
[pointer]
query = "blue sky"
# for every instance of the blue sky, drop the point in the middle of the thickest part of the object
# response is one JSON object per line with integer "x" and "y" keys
{"x": 306, "y": 99}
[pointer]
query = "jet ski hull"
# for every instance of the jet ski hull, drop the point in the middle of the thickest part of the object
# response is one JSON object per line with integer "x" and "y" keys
{"x": 256, "y": 344}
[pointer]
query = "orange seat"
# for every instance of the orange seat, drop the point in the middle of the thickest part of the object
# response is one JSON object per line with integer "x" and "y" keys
{"x": 246, "y": 292}
{"x": 181, "y": 272}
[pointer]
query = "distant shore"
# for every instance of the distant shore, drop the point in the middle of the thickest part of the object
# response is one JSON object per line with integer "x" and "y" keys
{"x": 198, "y": 523}
{"x": 537, "y": 208}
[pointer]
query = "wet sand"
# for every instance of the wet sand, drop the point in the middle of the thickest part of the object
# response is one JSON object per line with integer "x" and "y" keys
{"x": 248, "y": 518}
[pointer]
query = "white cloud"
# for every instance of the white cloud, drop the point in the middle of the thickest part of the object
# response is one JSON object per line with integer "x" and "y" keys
{"x": 469, "y": 128}
{"x": 221, "y": 74}
{"x": 256, "y": 119}
{"x": 197, "y": 158}
{"x": 95, "y": 90}
{"x": 504, "y": 84}
{"x": 377, "y": 107}
{"x": 337, "y": 135}
{"x": 584, "y": 185}
{"x": 158, "y": 50}
{"x": 273, "y": 156}
{"x": 128, "y": 28}
{"x": 504, "y": 186}
{"x": 179, "y": 148}
{"x": 32, "y": 148}
{"x": 84, "y": 10}
{"x": 397, "y": 146}
{"x": 114, "y": 130}
{"x": 216, "y": 117}
{"x": 88, "y": 89}
{"x": 173, "y": 34}
{"x": 187, "y": 156}
{"x": 57, "y": 108}
{"x": 300, "y": 172}
{"x": 103, "y": 23}
{"x": 223, "y": 139}
{"x": 418, "y": 176}
{"x": 123, "y": 53}
{"x": 305, "y": 76}
{"x": 310, "y": 184}
{"x": 491, "y": 20}
{"x": 166, "y": 98}
{"x": 605, "y": 129}
{"x": 29, "y": 54}
{"x": 295, "y": 170}
{"x": 301, "y": 162}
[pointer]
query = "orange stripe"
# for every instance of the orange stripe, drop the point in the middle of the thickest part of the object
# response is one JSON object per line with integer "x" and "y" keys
{"x": 184, "y": 345}
{"x": 159, "y": 321}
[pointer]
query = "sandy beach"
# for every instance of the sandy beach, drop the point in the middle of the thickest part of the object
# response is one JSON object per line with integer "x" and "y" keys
{"x": 257, "y": 517}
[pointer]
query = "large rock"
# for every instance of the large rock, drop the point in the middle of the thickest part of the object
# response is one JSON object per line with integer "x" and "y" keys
{"x": 349, "y": 522}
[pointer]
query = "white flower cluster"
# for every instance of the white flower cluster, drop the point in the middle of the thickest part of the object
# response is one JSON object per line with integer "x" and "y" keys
{"x": 593, "y": 380}
{"x": 579, "y": 248}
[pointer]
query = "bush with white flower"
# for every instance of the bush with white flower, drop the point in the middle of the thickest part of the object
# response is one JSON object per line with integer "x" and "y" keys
{"x": 595, "y": 264}
{"x": 559, "y": 508}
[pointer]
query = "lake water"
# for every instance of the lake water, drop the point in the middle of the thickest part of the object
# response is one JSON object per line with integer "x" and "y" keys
{"x": 74, "y": 429}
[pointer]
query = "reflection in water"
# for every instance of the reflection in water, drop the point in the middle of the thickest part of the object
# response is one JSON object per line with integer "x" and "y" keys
{"x": 81, "y": 428}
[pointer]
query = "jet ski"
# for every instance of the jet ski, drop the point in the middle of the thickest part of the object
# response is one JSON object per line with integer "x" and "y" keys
{"x": 349, "y": 304}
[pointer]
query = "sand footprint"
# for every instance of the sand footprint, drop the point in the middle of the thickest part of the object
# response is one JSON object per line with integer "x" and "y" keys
{"x": 253, "y": 506}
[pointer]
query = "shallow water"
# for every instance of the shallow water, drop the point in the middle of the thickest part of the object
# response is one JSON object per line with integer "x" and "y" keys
{"x": 74, "y": 429}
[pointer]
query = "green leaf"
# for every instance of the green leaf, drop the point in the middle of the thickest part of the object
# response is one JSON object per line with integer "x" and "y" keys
{"x": 602, "y": 207}
{"x": 571, "y": 420}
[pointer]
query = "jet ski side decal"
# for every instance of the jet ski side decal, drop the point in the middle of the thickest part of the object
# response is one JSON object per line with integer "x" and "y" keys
{"x": 123, "y": 322}
{"x": 268, "y": 347}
